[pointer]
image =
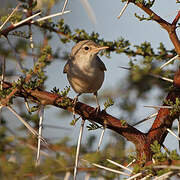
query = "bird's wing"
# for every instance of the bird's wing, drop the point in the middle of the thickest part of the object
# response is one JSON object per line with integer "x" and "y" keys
{"x": 66, "y": 67}
{"x": 101, "y": 64}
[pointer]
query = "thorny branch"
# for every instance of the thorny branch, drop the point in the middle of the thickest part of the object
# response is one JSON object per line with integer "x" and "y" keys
{"x": 169, "y": 27}
{"x": 141, "y": 140}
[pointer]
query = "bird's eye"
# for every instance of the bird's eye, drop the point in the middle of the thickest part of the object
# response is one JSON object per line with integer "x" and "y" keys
{"x": 86, "y": 48}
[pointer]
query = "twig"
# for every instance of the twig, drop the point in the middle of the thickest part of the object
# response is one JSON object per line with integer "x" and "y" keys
{"x": 108, "y": 169}
{"x": 50, "y": 16}
{"x": 10, "y": 16}
{"x": 173, "y": 134}
{"x": 123, "y": 9}
{"x": 176, "y": 18}
{"x": 120, "y": 165}
{"x": 101, "y": 137}
{"x": 78, "y": 148}
{"x": 5, "y": 101}
{"x": 168, "y": 62}
{"x": 41, "y": 114}
{"x": 145, "y": 119}
{"x": 27, "y": 19}
{"x": 33, "y": 131}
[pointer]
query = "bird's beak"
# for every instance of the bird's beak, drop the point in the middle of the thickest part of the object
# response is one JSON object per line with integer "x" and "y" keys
{"x": 96, "y": 50}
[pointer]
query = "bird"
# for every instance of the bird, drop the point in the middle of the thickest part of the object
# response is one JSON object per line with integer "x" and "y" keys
{"x": 85, "y": 70}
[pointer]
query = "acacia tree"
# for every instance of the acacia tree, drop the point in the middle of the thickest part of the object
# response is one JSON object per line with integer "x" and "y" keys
{"x": 30, "y": 87}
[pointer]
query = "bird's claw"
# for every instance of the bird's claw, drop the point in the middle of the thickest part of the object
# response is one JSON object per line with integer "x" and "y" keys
{"x": 97, "y": 110}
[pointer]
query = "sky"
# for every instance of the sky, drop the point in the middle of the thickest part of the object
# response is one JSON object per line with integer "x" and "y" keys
{"x": 109, "y": 28}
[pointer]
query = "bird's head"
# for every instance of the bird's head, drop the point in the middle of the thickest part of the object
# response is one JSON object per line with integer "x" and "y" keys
{"x": 86, "y": 48}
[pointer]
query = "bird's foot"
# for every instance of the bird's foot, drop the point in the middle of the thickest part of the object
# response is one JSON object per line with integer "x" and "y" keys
{"x": 97, "y": 110}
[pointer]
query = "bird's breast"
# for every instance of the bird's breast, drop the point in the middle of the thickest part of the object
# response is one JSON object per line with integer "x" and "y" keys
{"x": 85, "y": 78}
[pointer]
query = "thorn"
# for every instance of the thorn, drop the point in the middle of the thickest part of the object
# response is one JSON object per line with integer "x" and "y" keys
{"x": 127, "y": 68}
{"x": 120, "y": 165}
{"x": 161, "y": 77}
{"x": 10, "y": 16}
{"x": 173, "y": 133}
{"x": 41, "y": 114}
{"x": 108, "y": 169}
{"x": 3, "y": 72}
{"x": 179, "y": 131}
{"x": 158, "y": 107}
{"x": 50, "y": 16}
{"x": 101, "y": 137}
{"x": 27, "y": 19}
{"x": 134, "y": 176}
{"x": 78, "y": 148}
{"x": 145, "y": 119}
{"x": 123, "y": 9}
{"x": 168, "y": 62}
{"x": 131, "y": 162}
{"x": 64, "y": 7}
{"x": 33, "y": 131}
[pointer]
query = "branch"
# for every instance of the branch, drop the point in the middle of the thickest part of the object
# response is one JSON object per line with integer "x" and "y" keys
{"x": 169, "y": 27}
{"x": 87, "y": 112}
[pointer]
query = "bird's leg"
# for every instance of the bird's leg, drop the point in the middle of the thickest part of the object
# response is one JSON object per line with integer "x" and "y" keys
{"x": 74, "y": 104}
{"x": 97, "y": 102}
